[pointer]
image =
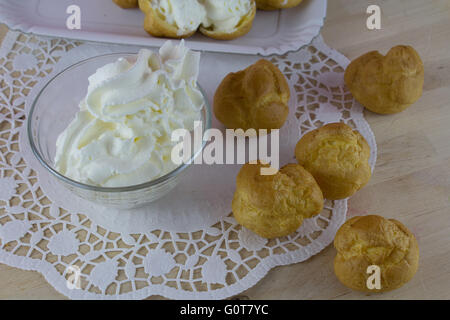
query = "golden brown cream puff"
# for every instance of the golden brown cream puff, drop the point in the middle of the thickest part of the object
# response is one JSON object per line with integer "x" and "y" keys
{"x": 219, "y": 29}
{"x": 375, "y": 241}
{"x": 223, "y": 20}
{"x": 337, "y": 157}
{"x": 256, "y": 97}
{"x": 275, "y": 205}
{"x": 159, "y": 20}
{"x": 386, "y": 84}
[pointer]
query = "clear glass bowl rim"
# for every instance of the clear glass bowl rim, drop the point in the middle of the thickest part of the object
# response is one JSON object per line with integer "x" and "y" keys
{"x": 136, "y": 187}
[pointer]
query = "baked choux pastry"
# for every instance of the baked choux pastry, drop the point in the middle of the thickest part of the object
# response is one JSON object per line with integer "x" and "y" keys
{"x": 275, "y": 205}
{"x": 160, "y": 17}
{"x": 223, "y": 20}
{"x": 386, "y": 84}
{"x": 126, "y": 4}
{"x": 276, "y": 4}
{"x": 337, "y": 157}
{"x": 241, "y": 13}
{"x": 373, "y": 240}
{"x": 256, "y": 97}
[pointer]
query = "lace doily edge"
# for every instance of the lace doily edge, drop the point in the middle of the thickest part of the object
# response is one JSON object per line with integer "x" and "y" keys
{"x": 260, "y": 271}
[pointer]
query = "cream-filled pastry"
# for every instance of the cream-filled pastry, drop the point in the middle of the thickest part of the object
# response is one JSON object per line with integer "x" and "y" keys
{"x": 122, "y": 134}
{"x": 226, "y": 20}
{"x": 172, "y": 18}
{"x": 181, "y": 18}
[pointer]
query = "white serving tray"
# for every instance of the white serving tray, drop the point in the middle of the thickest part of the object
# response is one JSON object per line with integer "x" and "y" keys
{"x": 273, "y": 32}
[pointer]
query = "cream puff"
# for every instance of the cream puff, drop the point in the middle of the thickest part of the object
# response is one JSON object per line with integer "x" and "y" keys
{"x": 275, "y": 205}
{"x": 386, "y": 84}
{"x": 375, "y": 241}
{"x": 223, "y": 20}
{"x": 338, "y": 158}
{"x": 254, "y": 98}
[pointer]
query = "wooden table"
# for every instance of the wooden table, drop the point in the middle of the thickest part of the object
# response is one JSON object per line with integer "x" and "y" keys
{"x": 411, "y": 181}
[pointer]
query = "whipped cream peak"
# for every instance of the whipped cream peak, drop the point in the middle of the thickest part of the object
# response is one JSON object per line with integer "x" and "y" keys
{"x": 122, "y": 134}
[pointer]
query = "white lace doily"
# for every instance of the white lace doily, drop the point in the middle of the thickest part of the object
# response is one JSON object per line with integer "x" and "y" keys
{"x": 195, "y": 251}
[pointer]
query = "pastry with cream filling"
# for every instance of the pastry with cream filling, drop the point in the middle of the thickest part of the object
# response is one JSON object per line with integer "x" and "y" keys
{"x": 223, "y": 20}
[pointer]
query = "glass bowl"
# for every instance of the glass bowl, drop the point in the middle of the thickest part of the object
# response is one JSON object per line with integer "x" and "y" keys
{"x": 54, "y": 108}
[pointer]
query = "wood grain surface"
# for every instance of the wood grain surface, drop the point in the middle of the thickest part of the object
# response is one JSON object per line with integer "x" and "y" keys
{"x": 411, "y": 181}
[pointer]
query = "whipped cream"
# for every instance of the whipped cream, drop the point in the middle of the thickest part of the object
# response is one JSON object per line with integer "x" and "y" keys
{"x": 188, "y": 15}
{"x": 122, "y": 134}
